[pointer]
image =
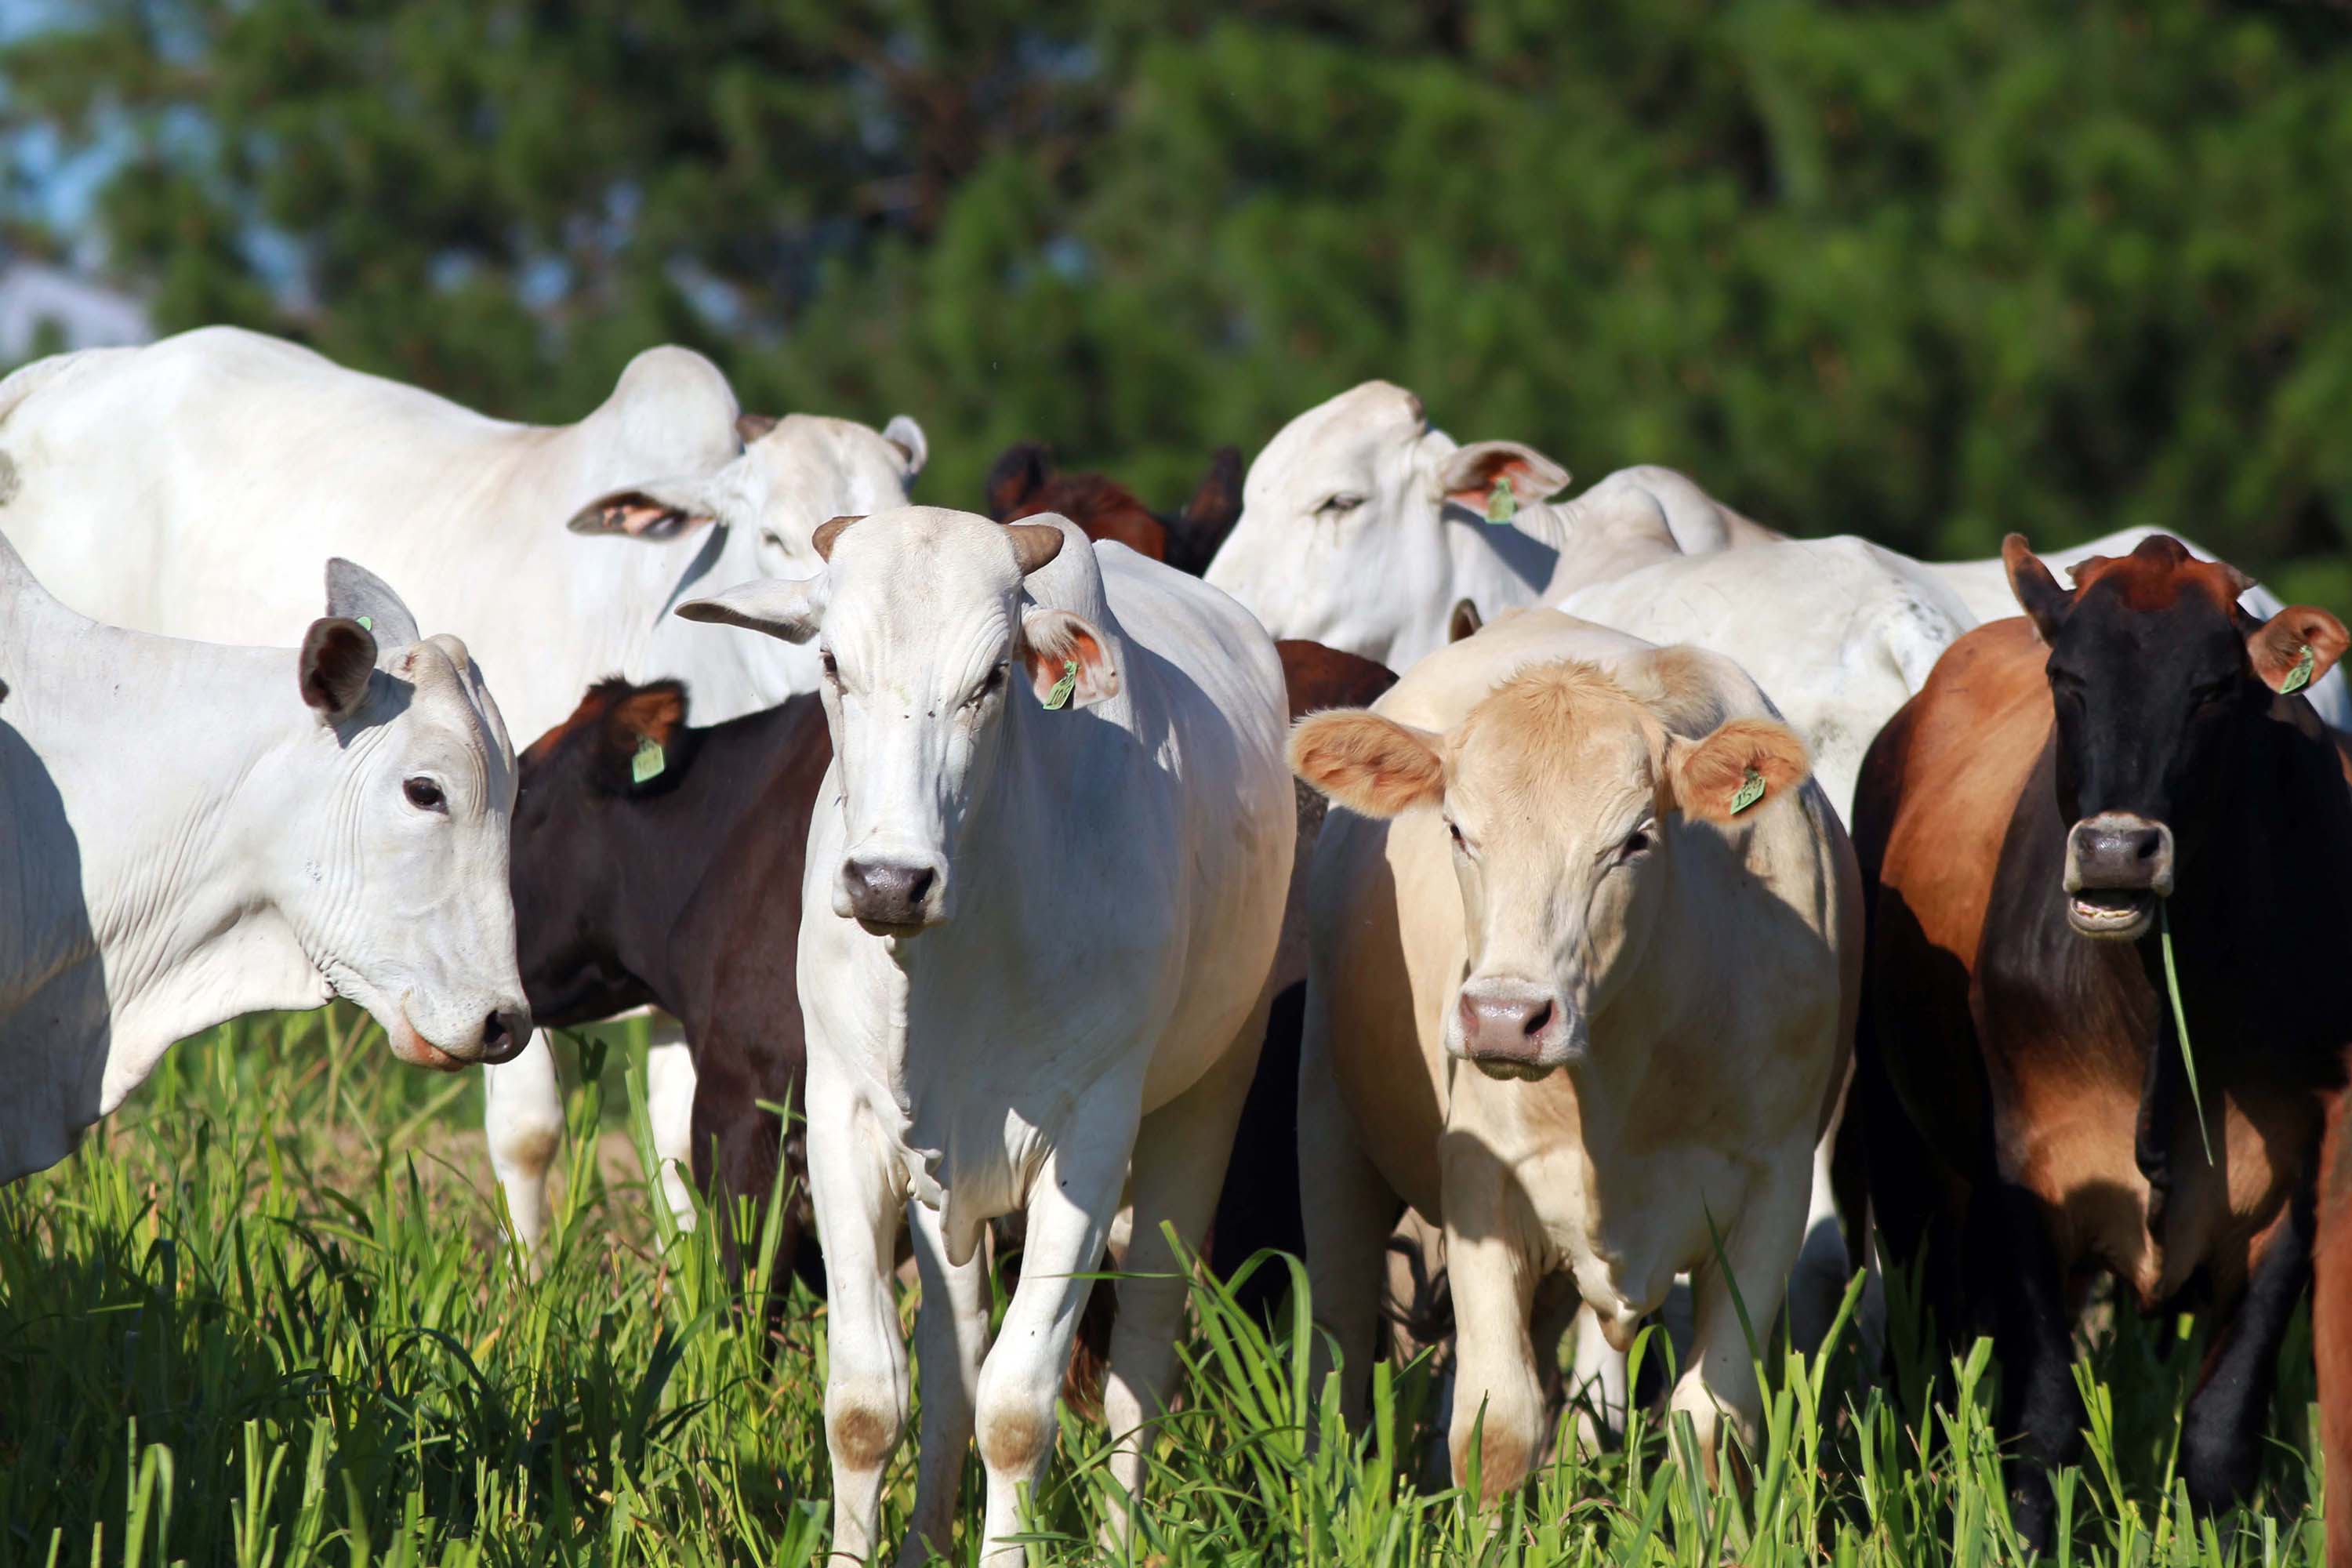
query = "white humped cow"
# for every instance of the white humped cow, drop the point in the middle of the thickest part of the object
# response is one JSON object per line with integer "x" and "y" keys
{"x": 1044, "y": 886}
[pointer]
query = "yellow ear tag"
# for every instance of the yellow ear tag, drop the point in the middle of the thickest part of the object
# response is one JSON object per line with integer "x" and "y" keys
{"x": 2300, "y": 676}
{"x": 1502, "y": 503}
{"x": 1751, "y": 790}
{"x": 648, "y": 762}
{"x": 1060, "y": 696}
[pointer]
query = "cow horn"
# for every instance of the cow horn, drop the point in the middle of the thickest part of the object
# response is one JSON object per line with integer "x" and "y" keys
{"x": 828, "y": 534}
{"x": 1034, "y": 543}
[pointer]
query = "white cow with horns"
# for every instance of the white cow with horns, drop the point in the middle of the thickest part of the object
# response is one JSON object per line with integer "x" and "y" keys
{"x": 189, "y": 832}
{"x": 1044, "y": 886}
{"x": 229, "y": 465}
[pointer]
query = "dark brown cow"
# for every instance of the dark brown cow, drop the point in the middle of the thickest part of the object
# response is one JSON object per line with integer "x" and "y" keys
{"x": 637, "y": 884}
{"x": 2120, "y": 756}
{"x": 1024, "y": 483}
{"x": 2331, "y": 1326}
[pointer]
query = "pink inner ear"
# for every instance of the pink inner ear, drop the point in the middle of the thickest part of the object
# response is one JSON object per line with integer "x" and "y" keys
{"x": 640, "y": 517}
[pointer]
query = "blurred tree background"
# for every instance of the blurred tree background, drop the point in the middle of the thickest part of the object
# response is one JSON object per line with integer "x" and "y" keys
{"x": 1928, "y": 272}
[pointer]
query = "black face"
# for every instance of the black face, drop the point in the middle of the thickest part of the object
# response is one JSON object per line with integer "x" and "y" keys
{"x": 562, "y": 865}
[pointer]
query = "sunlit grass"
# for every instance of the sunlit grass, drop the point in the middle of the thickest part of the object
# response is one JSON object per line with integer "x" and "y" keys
{"x": 265, "y": 1318}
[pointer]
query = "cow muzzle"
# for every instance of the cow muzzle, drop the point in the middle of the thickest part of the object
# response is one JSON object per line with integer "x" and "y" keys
{"x": 502, "y": 1035}
{"x": 891, "y": 895}
{"x": 1513, "y": 1028}
{"x": 2118, "y": 865}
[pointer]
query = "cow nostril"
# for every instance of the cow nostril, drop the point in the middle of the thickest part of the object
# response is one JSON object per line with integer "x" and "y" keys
{"x": 1538, "y": 1021}
{"x": 918, "y": 885}
{"x": 2150, "y": 842}
{"x": 494, "y": 1031}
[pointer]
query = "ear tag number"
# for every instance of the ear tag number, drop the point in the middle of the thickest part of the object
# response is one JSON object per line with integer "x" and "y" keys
{"x": 649, "y": 761}
{"x": 2300, "y": 676}
{"x": 1060, "y": 696}
{"x": 1751, "y": 790}
{"x": 367, "y": 622}
{"x": 1502, "y": 502}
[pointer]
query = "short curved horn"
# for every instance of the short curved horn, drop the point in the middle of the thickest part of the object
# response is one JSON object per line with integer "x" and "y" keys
{"x": 828, "y": 534}
{"x": 1034, "y": 544}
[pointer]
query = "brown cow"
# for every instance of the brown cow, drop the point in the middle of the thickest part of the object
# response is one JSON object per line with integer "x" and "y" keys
{"x": 2331, "y": 1327}
{"x": 1024, "y": 483}
{"x": 2119, "y": 758}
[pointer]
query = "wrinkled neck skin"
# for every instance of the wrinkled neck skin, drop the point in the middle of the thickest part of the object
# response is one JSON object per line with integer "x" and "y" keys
{"x": 149, "y": 912}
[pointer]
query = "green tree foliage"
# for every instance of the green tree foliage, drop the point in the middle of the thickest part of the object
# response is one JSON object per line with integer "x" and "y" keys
{"x": 1926, "y": 272}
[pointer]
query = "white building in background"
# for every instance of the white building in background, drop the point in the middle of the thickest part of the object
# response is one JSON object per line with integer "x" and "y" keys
{"x": 84, "y": 314}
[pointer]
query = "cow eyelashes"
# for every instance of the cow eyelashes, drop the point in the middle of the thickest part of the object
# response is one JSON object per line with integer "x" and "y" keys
{"x": 424, "y": 794}
{"x": 1340, "y": 505}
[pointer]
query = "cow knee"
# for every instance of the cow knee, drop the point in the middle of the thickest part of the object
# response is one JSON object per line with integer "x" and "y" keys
{"x": 862, "y": 1425}
{"x": 2218, "y": 1462}
{"x": 1507, "y": 1423}
{"x": 1015, "y": 1422}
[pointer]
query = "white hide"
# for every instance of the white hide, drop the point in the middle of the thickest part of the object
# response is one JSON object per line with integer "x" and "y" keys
{"x": 1112, "y": 875}
{"x": 186, "y": 838}
{"x": 230, "y": 465}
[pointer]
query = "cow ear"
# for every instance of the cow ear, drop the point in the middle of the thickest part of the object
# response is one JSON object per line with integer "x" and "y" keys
{"x": 915, "y": 451}
{"x": 1197, "y": 532}
{"x": 1746, "y": 764}
{"x": 2046, "y": 604}
{"x": 1470, "y": 474}
{"x": 2279, "y": 644}
{"x": 1020, "y": 472}
{"x": 793, "y": 611}
{"x": 356, "y": 593}
{"x": 640, "y": 738}
{"x": 337, "y": 657}
{"x": 1371, "y": 765}
{"x": 1057, "y": 647}
{"x": 749, "y": 427}
{"x": 1464, "y": 622}
{"x": 657, "y": 509}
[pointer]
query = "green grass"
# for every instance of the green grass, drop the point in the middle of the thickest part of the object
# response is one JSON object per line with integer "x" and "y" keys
{"x": 264, "y": 1318}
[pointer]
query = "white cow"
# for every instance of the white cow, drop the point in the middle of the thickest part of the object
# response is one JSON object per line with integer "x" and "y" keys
{"x": 193, "y": 832}
{"x": 1362, "y": 527}
{"x": 1044, "y": 886}
{"x": 1586, "y": 1002}
{"x": 228, "y": 465}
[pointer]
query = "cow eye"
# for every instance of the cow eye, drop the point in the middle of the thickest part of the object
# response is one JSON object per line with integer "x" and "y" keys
{"x": 1340, "y": 505}
{"x": 989, "y": 685}
{"x": 769, "y": 536}
{"x": 1455, "y": 829}
{"x": 1635, "y": 843}
{"x": 832, "y": 670}
{"x": 424, "y": 794}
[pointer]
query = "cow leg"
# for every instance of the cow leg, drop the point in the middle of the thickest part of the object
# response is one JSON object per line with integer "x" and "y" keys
{"x": 2012, "y": 1264}
{"x": 2221, "y": 1437}
{"x": 865, "y": 1389}
{"x": 1498, "y": 1394}
{"x": 1071, "y": 1203}
{"x": 523, "y": 1122}
{"x": 1757, "y": 1254}
{"x": 1348, "y": 1211}
{"x": 1178, "y": 1167}
{"x": 669, "y": 1106}
{"x": 951, "y": 1338}
{"x": 1598, "y": 1381}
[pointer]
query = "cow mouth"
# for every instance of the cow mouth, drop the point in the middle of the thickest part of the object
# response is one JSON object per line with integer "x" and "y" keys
{"x": 1503, "y": 1070}
{"x": 419, "y": 1052}
{"x": 2111, "y": 914}
{"x": 889, "y": 927}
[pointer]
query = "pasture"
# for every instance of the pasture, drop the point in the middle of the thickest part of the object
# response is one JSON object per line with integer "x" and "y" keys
{"x": 263, "y": 1316}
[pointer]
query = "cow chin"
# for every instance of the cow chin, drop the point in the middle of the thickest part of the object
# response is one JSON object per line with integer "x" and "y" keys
{"x": 1502, "y": 1069}
{"x": 2111, "y": 914}
{"x": 417, "y": 1050}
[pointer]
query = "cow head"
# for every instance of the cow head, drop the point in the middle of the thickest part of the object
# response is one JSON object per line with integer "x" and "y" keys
{"x": 395, "y": 880}
{"x": 1565, "y": 797}
{"x": 1344, "y": 532}
{"x": 2155, "y": 676}
{"x": 1024, "y": 483}
{"x": 623, "y": 744}
{"x": 931, "y": 648}
{"x": 761, "y": 507}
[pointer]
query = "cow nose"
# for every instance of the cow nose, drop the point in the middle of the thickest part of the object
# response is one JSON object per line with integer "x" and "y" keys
{"x": 504, "y": 1035}
{"x": 1509, "y": 1022}
{"x": 889, "y": 892}
{"x": 2118, "y": 851}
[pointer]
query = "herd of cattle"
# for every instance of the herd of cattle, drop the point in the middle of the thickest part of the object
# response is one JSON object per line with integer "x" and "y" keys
{"x": 986, "y": 850}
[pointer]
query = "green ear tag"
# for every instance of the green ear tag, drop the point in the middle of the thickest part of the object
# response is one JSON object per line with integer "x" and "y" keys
{"x": 1502, "y": 502}
{"x": 648, "y": 762}
{"x": 367, "y": 622}
{"x": 1060, "y": 696}
{"x": 2300, "y": 676}
{"x": 1751, "y": 790}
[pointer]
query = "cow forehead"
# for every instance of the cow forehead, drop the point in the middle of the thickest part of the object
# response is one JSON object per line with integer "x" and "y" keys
{"x": 1364, "y": 419}
{"x": 1556, "y": 743}
{"x": 2155, "y": 576}
{"x": 910, "y": 571}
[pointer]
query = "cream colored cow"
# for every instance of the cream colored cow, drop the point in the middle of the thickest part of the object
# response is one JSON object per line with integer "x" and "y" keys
{"x": 1583, "y": 1001}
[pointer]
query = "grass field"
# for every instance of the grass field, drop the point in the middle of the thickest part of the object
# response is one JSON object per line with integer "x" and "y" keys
{"x": 264, "y": 1318}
